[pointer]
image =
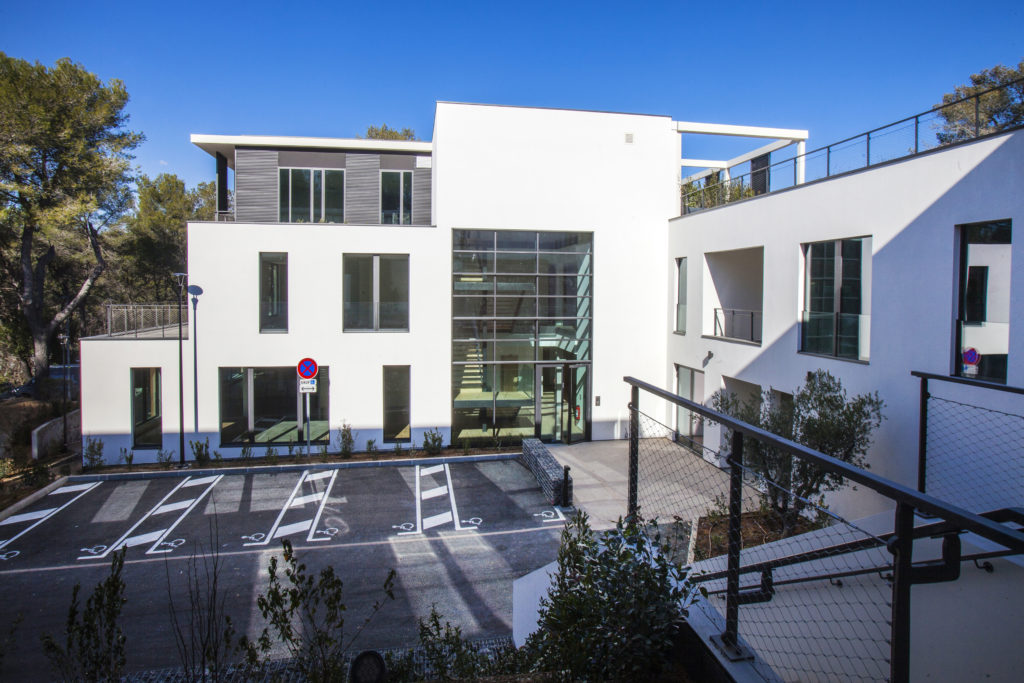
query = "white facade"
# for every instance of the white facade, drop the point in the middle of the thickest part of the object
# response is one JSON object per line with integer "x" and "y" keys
{"x": 910, "y": 211}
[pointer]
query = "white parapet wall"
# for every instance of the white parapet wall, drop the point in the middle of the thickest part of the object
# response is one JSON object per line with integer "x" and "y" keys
{"x": 49, "y": 437}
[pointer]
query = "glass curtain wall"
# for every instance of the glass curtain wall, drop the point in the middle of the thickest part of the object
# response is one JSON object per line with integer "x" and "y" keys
{"x": 519, "y": 298}
{"x": 263, "y": 406}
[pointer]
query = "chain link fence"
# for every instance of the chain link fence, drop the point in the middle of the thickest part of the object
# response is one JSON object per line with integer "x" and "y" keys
{"x": 817, "y": 592}
{"x": 973, "y": 448}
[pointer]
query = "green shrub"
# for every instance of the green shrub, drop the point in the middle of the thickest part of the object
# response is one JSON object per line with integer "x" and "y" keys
{"x": 38, "y": 475}
{"x": 127, "y": 457}
{"x": 433, "y": 441}
{"x": 165, "y": 458}
{"x": 201, "y": 451}
{"x": 270, "y": 455}
{"x": 93, "y": 453}
{"x": 371, "y": 445}
{"x": 93, "y": 648}
{"x": 6, "y": 467}
{"x": 346, "y": 441}
{"x": 398, "y": 448}
{"x": 307, "y": 615}
{"x": 614, "y": 605}
{"x": 246, "y": 453}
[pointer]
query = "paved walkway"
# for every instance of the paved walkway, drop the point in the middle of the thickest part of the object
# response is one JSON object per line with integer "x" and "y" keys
{"x": 600, "y": 478}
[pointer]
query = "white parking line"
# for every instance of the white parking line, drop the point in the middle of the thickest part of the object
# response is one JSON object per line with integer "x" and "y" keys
{"x": 46, "y": 514}
{"x": 128, "y": 534}
{"x": 451, "y": 515}
{"x": 189, "y": 506}
{"x": 294, "y": 501}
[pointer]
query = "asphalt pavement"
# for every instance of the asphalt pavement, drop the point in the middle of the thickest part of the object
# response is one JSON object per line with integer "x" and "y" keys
{"x": 457, "y": 535}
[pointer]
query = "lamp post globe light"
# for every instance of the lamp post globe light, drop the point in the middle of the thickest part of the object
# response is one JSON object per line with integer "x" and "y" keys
{"x": 181, "y": 277}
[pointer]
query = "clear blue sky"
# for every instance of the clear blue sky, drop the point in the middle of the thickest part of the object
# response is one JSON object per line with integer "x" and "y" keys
{"x": 332, "y": 68}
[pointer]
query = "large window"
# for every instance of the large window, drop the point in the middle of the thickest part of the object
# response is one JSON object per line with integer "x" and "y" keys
{"x": 376, "y": 292}
{"x": 520, "y": 299}
{"x": 396, "y": 197}
{"x": 273, "y": 292}
{"x": 690, "y": 425}
{"x": 835, "y": 319}
{"x": 397, "y": 423}
{"x": 263, "y": 406}
{"x": 983, "y": 318}
{"x": 311, "y": 195}
{"x": 147, "y": 422}
{"x": 681, "y": 295}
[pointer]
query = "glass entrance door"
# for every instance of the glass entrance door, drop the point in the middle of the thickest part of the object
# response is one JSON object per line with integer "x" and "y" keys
{"x": 561, "y": 402}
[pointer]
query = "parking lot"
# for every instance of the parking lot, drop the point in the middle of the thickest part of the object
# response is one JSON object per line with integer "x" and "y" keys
{"x": 457, "y": 534}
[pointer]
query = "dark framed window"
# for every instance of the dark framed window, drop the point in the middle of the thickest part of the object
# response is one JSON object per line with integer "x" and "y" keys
{"x": 147, "y": 415}
{"x": 376, "y": 292}
{"x": 681, "y": 295}
{"x": 834, "y": 320}
{"x": 396, "y": 197}
{"x": 273, "y": 292}
{"x": 397, "y": 422}
{"x": 311, "y": 195}
{"x": 983, "y": 315}
{"x": 263, "y": 407}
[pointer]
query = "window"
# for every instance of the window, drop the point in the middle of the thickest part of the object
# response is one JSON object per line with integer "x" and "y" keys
{"x": 147, "y": 422}
{"x": 263, "y": 406}
{"x": 396, "y": 197}
{"x": 311, "y": 195}
{"x": 376, "y": 292}
{"x": 835, "y": 320}
{"x": 690, "y": 425}
{"x": 397, "y": 425}
{"x": 273, "y": 292}
{"x": 983, "y": 318}
{"x": 681, "y": 295}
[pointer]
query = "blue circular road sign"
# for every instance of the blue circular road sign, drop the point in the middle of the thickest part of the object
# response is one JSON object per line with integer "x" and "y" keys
{"x": 307, "y": 368}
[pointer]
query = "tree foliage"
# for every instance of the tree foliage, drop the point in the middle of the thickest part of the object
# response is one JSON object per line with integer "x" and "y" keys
{"x": 819, "y": 416}
{"x": 150, "y": 244}
{"x": 999, "y": 110}
{"x": 383, "y": 132}
{"x": 64, "y": 177}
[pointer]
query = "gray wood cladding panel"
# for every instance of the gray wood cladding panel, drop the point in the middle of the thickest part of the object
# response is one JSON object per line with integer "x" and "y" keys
{"x": 362, "y": 188}
{"x": 421, "y": 179}
{"x": 256, "y": 197}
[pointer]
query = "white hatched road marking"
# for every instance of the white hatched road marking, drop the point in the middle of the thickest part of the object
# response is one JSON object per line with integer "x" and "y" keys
{"x": 17, "y": 519}
{"x": 311, "y": 498}
{"x": 452, "y": 515}
{"x": 128, "y": 534}
{"x": 171, "y": 507}
{"x": 320, "y": 510}
{"x": 204, "y": 480}
{"x": 437, "y": 520}
{"x": 84, "y": 488}
{"x": 294, "y": 500}
{"x": 211, "y": 481}
{"x": 434, "y": 493}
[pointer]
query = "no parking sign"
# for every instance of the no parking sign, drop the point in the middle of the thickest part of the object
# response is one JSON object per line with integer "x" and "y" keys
{"x": 971, "y": 359}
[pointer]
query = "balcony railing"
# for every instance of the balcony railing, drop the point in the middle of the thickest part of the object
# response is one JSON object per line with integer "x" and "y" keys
{"x": 146, "y": 321}
{"x": 737, "y": 323}
{"x": 993, "y": 111}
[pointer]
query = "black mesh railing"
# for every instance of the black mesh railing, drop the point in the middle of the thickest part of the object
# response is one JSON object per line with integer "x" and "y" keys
{"x": 801, "y": 592}
{"x": 147, "y": 321}
{"x": 972, "y": 445}
{"x": 993, "y": 111}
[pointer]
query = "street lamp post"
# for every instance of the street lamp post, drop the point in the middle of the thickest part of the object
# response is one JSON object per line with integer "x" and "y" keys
{"x": 195, "y": 291}
{"x": 63, "y": 339}
{"x": 180, "y": 277}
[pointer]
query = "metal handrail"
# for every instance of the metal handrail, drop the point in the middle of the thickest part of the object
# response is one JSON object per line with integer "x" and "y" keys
{"x": 968, "y": 521}
{"x": 916, "y": 118}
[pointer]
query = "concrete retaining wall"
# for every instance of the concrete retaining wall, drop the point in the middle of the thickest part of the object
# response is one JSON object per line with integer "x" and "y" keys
{"x": 46, "y": 438}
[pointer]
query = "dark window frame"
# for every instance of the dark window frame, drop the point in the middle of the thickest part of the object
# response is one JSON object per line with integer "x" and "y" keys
{"x": 375, "y": 296}
{"x": 838, "y": 303}
{"x": 388, "y": 413}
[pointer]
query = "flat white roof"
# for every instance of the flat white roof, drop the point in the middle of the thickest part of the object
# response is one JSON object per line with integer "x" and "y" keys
{"x": 226, "y": 144}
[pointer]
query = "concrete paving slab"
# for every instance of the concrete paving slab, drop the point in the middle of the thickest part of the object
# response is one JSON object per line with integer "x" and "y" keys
{"x": 600, "y": 478}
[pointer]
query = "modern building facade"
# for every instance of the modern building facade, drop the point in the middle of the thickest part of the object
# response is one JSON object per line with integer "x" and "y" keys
{"x": 499, "y": 281}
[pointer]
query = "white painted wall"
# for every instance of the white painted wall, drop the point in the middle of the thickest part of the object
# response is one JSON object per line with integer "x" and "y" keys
{"x": 910, "y": 209}
{"x": 546, "y": 169}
